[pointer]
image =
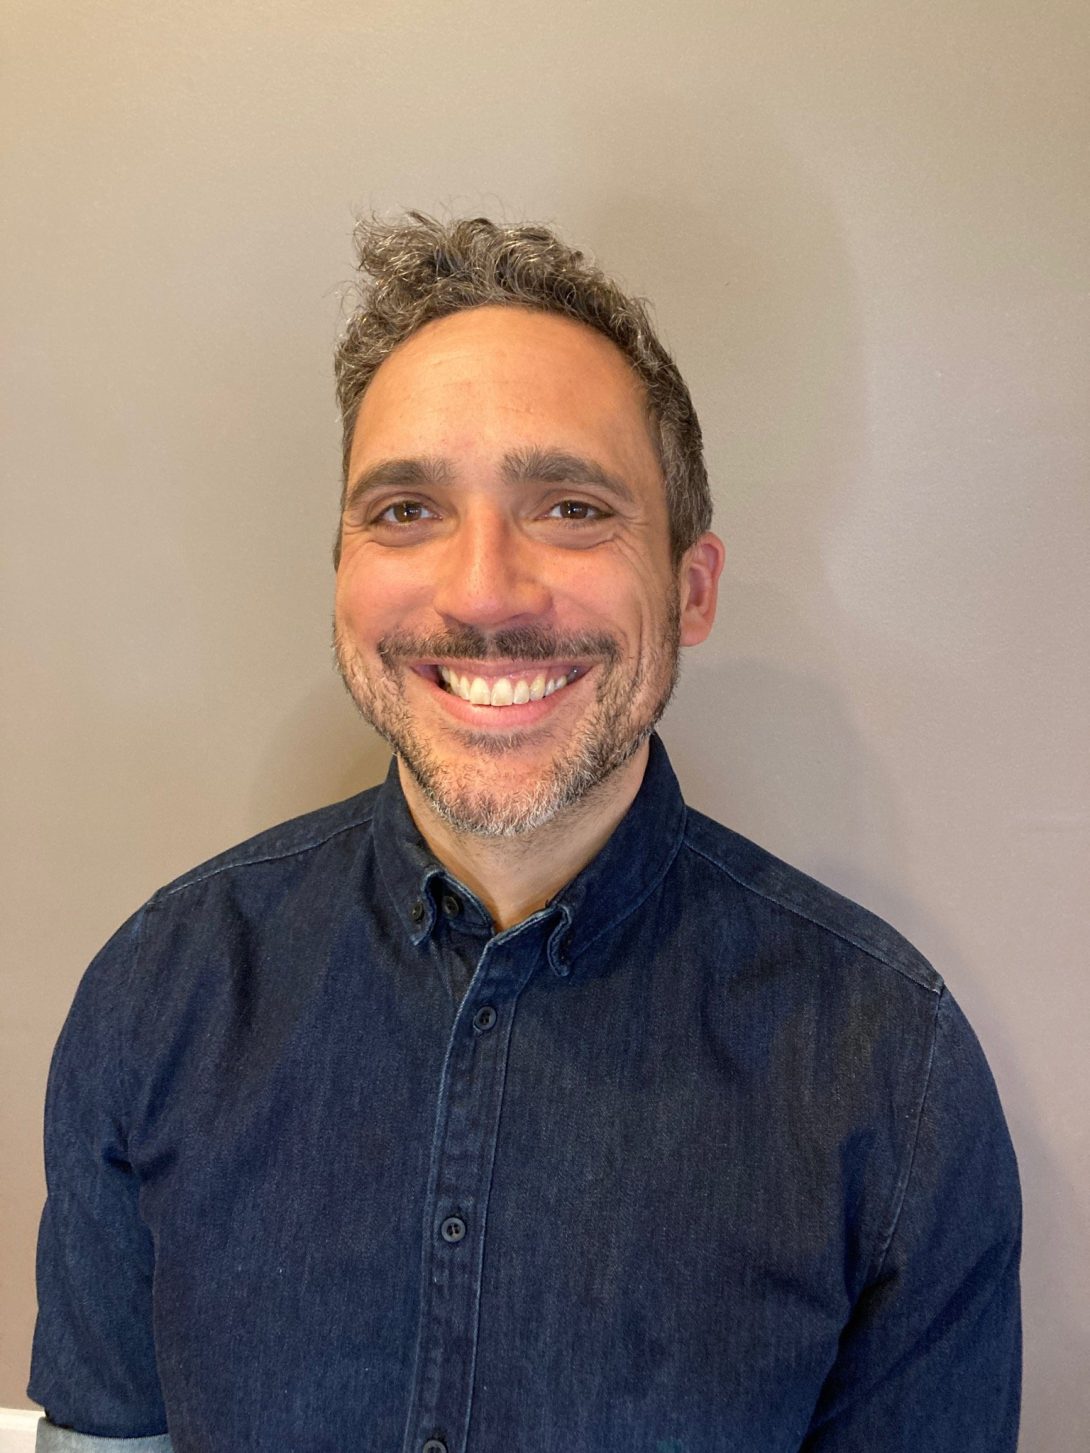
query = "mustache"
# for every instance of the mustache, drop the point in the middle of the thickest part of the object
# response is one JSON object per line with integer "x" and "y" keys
{"x": 524, "y": 643}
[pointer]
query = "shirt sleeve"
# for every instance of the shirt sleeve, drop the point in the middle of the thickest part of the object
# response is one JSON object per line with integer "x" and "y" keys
{"x": 93, "y": 1363}
{"x": 51, "y": 1439}
{"x": 931, "y": 1357}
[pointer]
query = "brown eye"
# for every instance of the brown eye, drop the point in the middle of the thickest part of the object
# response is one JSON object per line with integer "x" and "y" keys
{"x": 576, "y": 509}
{"x": 402, "y": 512}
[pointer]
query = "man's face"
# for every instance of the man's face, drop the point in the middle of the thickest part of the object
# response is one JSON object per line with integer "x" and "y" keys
{"x": 507, "y": 615}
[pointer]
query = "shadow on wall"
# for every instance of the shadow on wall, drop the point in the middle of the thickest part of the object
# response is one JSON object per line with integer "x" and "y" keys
{"x": 320, "y": 751}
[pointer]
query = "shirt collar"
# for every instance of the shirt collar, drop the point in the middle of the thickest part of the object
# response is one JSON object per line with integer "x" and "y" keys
{"x": 633, "y": 861}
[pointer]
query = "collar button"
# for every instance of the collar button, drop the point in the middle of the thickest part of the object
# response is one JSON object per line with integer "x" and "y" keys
{"x": 416, "y": 912}
{"x": 452, "y": 906}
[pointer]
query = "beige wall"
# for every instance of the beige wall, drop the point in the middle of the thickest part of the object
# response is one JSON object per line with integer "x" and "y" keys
{"x": 864, "y": 226}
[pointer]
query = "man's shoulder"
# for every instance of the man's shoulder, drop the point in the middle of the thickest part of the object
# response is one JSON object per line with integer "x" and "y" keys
{"x": 816, "y": 910}
{"x": 286, "y": 841}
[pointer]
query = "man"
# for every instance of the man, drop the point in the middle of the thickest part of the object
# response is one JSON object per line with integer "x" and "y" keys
{"x": 512, "y": 1104}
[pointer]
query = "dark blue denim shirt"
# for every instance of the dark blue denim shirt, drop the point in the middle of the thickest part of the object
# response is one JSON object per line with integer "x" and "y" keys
{"x": 700, "y": 1158}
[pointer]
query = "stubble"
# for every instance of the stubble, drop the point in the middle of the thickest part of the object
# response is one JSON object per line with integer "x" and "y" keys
{"x": 461, "y": 784}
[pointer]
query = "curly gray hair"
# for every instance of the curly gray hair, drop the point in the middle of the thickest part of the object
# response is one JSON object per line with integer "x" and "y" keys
{"x": 422, "y": 269}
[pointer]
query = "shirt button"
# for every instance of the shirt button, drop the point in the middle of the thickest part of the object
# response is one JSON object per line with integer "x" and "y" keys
{"x": 453, "y": 1228}
{"x": 484, "y": 1018}
{"x": 452, "y": 906}
{"x": 434, "y": 1445}
{"x": 416, "y": 912}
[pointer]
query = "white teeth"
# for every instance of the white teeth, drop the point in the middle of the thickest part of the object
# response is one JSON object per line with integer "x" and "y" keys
{"x": 504, "y": 691}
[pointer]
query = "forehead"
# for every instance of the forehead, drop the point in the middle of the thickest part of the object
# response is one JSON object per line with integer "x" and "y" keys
{"x": 478, "y": 380}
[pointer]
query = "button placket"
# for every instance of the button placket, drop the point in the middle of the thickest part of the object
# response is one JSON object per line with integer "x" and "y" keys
{"x": 464, "y": 1145}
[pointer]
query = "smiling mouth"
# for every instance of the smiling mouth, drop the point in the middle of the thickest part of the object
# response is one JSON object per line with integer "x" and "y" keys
{"x": 511, "y": 689}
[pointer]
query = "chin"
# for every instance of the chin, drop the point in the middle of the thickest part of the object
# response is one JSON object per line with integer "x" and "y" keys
{"x": 472, "y": 799}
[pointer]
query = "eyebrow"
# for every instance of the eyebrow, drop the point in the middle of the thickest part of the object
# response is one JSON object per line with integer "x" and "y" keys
{"x": 520, "y": 466}
{"x": 558, "y": 466}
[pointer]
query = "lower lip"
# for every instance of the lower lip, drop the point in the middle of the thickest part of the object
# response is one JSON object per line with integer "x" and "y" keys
{"x": 501, "y": 718}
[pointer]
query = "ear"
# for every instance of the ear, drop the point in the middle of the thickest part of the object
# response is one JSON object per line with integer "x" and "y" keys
{"x": 698, "y": 578}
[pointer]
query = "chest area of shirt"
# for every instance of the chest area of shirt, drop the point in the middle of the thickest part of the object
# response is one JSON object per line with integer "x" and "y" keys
{"x": 542, "y": 1200}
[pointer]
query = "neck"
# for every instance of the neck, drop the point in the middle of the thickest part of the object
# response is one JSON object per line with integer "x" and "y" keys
{"x": 514, "y": 877}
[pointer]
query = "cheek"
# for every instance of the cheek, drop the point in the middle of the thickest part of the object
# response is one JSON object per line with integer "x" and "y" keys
{"x": 366, "y": 593}
{"x": 348, "y": 602}
{"x": 628, "y": 599}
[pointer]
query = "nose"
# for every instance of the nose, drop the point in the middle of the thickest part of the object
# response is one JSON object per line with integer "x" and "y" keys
{"x": 490, "y": 575}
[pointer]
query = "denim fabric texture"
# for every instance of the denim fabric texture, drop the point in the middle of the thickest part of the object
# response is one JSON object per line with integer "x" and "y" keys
{"x": 700, "y": 1158}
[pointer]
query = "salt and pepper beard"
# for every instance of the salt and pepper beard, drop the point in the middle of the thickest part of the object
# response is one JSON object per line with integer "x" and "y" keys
{"x": 600, "y": 744}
